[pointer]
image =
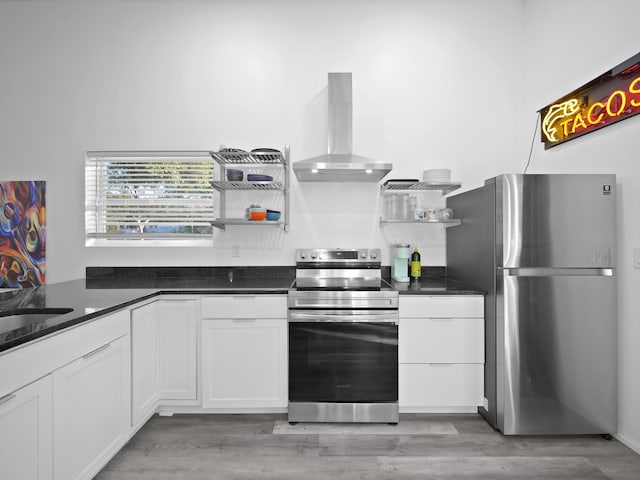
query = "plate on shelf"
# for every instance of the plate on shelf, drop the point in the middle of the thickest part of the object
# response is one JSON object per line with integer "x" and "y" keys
{"x": 254, "y": 177}
{"x": 267, "y": 154}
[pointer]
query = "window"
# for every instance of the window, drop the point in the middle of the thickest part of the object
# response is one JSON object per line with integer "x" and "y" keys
{"x": 161, "y": 196}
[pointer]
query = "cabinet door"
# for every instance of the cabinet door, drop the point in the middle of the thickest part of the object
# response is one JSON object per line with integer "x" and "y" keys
{"x": 177, "y": 349}
{"x": 91, "y": 410}
{"x": 26, "y": 451}
{"x": 144, "y": 362}
{"x": 441, "y": 340}
{"x": 244, "y": 363}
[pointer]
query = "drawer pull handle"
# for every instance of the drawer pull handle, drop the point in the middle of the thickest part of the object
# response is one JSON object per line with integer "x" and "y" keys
{"x": 96, "y": 351}
{"x": 7, "y": 398}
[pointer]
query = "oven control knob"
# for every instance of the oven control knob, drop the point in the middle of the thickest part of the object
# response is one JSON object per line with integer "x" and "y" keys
{"x": 374, "y": 254}
{"x": 314, "y": 254}
{"x": 363, "y": 254}
{"x": 303, "y": 255}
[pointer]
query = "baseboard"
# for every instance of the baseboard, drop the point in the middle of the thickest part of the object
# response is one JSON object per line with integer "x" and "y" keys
{"x": 438, "y": 409}
{"x": 632, "y": 444}
{"x": 166, "y": 411}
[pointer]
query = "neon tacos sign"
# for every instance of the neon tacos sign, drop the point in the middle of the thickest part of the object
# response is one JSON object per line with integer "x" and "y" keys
{"x": 613, "y": 96}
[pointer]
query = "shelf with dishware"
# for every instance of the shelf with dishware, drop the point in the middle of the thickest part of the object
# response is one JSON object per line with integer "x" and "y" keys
{"x": 447, "y": 223}
{"x": 415, "y": 185}
{"x": 442, "y": 217}
{"x": 233, "y": 179}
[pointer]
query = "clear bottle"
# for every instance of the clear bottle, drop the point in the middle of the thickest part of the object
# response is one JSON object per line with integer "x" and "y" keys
{"x": 416, "y": 265}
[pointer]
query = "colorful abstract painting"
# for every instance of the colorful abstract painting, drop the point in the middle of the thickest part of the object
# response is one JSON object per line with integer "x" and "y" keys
{"x": 22, "y": 234}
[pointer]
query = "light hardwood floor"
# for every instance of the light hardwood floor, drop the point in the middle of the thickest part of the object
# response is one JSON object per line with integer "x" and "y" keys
{"x": 239, "y": 447}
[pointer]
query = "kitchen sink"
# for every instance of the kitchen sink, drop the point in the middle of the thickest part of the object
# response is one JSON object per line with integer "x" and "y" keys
{"x": 31, "y": 319}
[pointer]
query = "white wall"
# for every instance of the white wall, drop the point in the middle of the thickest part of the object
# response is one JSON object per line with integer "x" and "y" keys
{"x": 434, "y": 83}
{"x": 568, "y": 44}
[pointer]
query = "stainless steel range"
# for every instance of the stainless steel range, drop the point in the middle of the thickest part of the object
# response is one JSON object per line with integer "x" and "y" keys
{"x": 343, "y": 338}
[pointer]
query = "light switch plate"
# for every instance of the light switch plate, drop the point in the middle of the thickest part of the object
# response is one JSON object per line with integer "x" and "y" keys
{"x": 636, "y": 258}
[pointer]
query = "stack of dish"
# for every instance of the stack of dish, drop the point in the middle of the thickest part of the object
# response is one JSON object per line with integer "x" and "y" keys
{"x": 273, "y": 215}
{"x": 234, "y": 175}
{"x": 254, "y": 177}
{"x": 442, "y": 175}
{"x": 256, "y": 213}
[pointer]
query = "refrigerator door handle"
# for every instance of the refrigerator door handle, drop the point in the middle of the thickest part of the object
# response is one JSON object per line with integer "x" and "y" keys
{"x": 550, "y": 272}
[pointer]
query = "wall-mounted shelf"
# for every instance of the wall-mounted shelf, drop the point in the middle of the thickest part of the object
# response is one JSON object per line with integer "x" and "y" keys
{"x": 444, "y": 188}
{"x": 393, "y": 186}
{"x": 447, "y": 223}
{"x": 252, "y": 159}
{"x": 222, "y": 222}
{"x": 264, "y": 186}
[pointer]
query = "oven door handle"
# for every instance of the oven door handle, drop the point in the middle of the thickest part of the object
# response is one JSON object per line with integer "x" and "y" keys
{"x": 341, "y": 317}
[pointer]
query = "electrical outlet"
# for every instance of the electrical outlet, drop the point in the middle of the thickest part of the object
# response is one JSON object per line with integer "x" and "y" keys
{"x": 636, "y": 258}
{"x": 235, "y": 251}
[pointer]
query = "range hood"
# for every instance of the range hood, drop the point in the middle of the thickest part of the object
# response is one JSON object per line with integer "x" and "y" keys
{"x": 340, "y": 165}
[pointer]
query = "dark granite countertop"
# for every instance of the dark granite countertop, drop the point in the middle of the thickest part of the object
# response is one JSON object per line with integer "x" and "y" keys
{"x": 107, "y": 289}
{"x": 435, "y": 285}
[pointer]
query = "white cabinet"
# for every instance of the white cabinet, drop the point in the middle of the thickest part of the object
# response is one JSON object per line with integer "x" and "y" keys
{"x": 144, "y": 362}
{"x": 164, "y": 355}
{"x": 244, "y": 353}
{"x": 26, "y": 421}
{"x": 177, "y": 349}
{"x": 91, "y": 407}
{"x": 441, "y": 353}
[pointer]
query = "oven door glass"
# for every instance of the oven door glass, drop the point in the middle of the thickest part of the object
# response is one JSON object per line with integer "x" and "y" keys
{"x": 343, "y": 362}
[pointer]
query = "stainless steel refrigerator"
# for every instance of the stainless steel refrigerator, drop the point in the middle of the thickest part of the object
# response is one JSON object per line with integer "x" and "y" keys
{"x": 543, "y": 248}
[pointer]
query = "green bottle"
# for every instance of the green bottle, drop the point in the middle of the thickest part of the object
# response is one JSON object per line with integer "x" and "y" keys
{"x": 416, "y": 267}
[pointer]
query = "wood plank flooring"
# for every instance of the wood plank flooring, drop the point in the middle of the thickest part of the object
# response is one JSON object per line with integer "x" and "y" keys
{"x": 242, "y": 447}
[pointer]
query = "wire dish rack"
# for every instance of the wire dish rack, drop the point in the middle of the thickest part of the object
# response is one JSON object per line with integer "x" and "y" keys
{"x": 445, "y": 187}
{"x": 392, "y": 186}
{"x": 231, "y": 156}
{"x": 226, "y": 157}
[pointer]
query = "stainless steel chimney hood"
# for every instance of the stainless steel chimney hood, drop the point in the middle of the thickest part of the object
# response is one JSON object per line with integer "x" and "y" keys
{"x": 340, "y": 165}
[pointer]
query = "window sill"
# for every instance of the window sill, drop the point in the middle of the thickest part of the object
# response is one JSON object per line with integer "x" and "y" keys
{"x": 200, "y": 242}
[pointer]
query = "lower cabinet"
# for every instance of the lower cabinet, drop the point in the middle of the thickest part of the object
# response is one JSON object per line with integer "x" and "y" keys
{"x": 441, "y": 353}
{"x": 91, "y": 410}
{"x": 69, "y": 403}
{"x": 177, "y": 349}
{"x": 163, "y": 355}
{"x": 144, "y": 362}
{"x": 26, "y": 443}
{"x": 244, "y": 353}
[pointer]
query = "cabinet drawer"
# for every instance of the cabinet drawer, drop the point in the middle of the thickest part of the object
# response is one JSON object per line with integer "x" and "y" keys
{"x": 441, "y": 340}
{"x": 244, "y": 306}
{"x": 440, "y": 385}
{"x": 441, "y": 306}
{"x": 34, "y": 360}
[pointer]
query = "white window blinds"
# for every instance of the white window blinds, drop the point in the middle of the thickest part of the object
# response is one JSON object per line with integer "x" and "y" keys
{"x": 148, "y": 195}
